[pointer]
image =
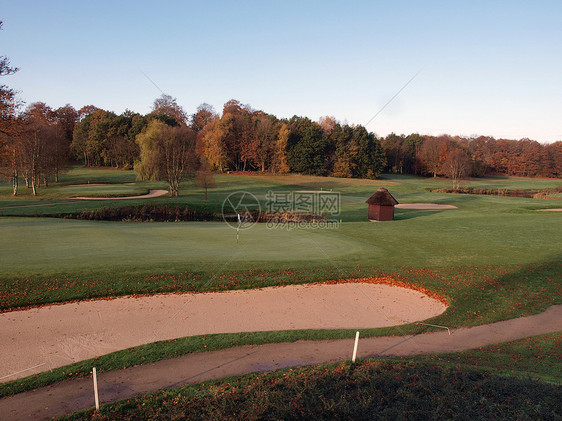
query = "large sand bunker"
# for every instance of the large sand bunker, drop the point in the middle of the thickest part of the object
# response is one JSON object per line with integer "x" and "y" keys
{"x": 42, "y": 338}
{"x": 424, "y": 206}
{"x": 551, "y": 210}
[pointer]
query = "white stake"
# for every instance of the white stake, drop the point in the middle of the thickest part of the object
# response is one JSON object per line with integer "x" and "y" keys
{"x": 355, "y": 347}
{"x": 96, "y": 397}
{"x": 238, "y": 228}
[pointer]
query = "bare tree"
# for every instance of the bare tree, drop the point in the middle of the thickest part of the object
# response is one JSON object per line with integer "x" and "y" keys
{"x": 205, "y": 179}
{"x": 457, "y": 166}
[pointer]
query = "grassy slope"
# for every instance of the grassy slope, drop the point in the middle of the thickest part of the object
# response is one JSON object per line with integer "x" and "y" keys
{"x": 539, "y": 357}
{"x": 414, "y": 388}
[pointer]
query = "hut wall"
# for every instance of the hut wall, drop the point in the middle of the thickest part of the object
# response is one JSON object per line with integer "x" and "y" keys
{"x": 381, "y": 213}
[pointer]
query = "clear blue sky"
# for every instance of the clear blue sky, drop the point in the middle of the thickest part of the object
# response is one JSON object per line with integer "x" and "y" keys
{"x": 486, "y": 67}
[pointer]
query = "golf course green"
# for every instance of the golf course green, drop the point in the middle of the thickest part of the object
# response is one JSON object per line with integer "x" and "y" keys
{"x": 493, "y": 257}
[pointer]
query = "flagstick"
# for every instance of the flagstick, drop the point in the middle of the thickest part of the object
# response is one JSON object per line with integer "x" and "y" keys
{"x": 238, "y": 228}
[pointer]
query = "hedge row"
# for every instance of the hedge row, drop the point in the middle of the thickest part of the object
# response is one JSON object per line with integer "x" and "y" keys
{"x": 536, "y": 194}
{"x": 146, "y": 213}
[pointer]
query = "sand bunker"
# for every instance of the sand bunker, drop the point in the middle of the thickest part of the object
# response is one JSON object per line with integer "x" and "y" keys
{"x": 42, "y": 338}
{"x": 551, "y": 210}
{"x": 151, "y": 193}
{"x": 424, "y": 206}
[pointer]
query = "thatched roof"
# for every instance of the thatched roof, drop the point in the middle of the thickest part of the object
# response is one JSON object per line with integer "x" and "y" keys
{"x": 382, "y": 197}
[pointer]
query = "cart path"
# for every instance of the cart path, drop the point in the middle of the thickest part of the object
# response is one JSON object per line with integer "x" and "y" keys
{"x": 77, "y": 394}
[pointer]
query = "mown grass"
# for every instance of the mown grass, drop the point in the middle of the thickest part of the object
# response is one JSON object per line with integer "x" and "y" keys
{"x": 426, "y": 387}
{"x": 494, "y": 258}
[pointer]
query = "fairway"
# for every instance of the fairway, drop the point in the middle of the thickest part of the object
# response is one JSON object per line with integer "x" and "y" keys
{"x": 507, "y": 232}
{"x": 482, "y": 231}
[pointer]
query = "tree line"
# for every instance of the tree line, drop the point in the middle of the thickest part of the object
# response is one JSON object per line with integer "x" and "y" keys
{"x": 244, "y": 139}
{"x": 37, "y": 143}
{"x": 475, "y": 156}
{"x": 167, "y": 143}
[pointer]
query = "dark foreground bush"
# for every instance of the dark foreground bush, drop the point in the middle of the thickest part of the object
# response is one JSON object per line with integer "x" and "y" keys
{"x": 366, "y": 391}
{"x": 165, "y": 213}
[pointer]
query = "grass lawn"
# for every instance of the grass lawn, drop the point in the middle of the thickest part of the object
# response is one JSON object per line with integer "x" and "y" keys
{"x": 427, "y": 387}
{"x": 494, "y": 257}
{"x": 49, "y": 259}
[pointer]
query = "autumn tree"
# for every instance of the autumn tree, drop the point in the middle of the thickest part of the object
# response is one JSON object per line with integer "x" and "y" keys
{"x": 432, "y": 154}
{"x": 457, "y": 165}
{"x": 232, "y": 106}
{"x": 86, "y": 110}
{"x": 279, "y": 164}
{"x": 167, "y": 109}
{"x": 211, "y": 144}
{"x": 166, "y": 153}
{"x": 554, "y": 151}
{"x": 91, "y": 135}
{"x": 39, "y": 146}
{"x": 327, "y": 124}
{"x": 203, "y": 116}
{"x": 9, "y": 125}
{"x": 248, "y": 140}
{"x": 241, "y": 140}
{"x": 267, "y": 132}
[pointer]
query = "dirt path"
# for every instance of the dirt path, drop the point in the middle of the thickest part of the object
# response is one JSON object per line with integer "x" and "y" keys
{"x": 58, "y": 335}
{"x": 151, "y": 193}
{"x": 77, "y": 394}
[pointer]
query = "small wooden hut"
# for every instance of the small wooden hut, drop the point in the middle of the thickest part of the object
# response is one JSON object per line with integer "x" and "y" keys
{"x": 381, "y": 205}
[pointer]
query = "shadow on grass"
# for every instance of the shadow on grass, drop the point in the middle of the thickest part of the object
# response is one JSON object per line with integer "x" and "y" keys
{"x": 402, "y": 215}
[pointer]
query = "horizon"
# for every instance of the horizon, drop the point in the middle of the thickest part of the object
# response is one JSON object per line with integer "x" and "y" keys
{"x": 474, "y": 70}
